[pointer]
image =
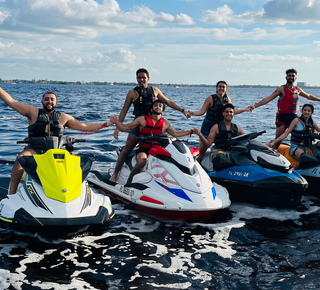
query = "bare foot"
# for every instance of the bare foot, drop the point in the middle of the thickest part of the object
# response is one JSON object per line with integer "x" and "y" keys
{"x": 113, "y": 178}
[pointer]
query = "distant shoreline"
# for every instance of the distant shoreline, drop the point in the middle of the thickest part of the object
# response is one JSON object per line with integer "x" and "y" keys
{"x": 130, "y": 84}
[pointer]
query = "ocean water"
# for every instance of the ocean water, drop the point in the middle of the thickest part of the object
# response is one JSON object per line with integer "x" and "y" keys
{"x": 242, "y": 247}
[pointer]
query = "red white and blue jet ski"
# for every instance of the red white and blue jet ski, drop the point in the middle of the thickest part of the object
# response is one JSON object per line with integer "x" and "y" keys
{"x": 172, "y": 185}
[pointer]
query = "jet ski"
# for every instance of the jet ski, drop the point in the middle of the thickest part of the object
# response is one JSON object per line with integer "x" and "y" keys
{"x": 54, "y": 191}
{"x": 309, "y": 163}
{"x": 255, "y": 173}
{"x": 172, "y": 185}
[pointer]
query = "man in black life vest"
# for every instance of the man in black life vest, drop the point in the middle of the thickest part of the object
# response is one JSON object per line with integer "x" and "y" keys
{"x": 288, "y": 102}
{"x": 148, "y": 125}
{"x": 141, "y": 97}
{"x": 220, "y": 133}
{"x": 42, "y": 123}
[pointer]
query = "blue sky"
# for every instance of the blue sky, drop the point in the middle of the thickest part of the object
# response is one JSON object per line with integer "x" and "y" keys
{"x": 179, "y": 41}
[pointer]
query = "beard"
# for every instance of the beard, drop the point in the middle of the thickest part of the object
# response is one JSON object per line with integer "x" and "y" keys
{"x": 156, "y": 113}
{"x": 48, "y": 110}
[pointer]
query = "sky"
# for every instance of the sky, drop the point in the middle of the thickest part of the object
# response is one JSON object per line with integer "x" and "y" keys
{"x": 244, "y": 42}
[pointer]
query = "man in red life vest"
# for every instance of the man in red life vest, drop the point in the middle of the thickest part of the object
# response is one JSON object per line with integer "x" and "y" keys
{"x": 152, "y": 124}
{"x": 288, "y": 102}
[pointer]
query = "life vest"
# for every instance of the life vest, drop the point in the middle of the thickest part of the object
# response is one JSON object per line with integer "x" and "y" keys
{"x": 300, "y": 134}
{"x": 214, "y": 114}
{"x": 151, "y": 129}
{"x": 46, "y": 125}
{"x": 290, "y": 103}
{"x": 143, "y": 101}
{"x": 225, "y": 135}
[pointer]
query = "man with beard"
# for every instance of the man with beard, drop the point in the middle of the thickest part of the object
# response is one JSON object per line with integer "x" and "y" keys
{"x": 288, "y": 102}
{"x": 140, "y": 97}
{"x": 152, "y": 124}
{"x": 42, "y": 123}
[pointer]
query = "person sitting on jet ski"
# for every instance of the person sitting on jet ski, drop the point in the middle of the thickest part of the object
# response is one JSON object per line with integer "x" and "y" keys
{"x": 300, "y": 128}
{"x": 152, "y": 124}
{"x": 42, "y": 123}
{"x": 220, "y": 133}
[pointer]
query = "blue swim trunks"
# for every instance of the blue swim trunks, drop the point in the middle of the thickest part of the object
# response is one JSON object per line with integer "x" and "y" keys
{"x": 206, "y": 127}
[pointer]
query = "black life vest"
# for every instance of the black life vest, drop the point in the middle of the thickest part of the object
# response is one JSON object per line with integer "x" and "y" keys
{"x": 143, "y": 101}
{"x": 300, "y": 134}
{"x": 46, "y": 125}
{"x": 225, "y": 135}
{"x": 151, "y": 129}
{"x": 214, "y": 114}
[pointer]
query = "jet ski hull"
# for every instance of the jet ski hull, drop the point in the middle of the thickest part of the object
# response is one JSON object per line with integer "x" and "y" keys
{"x": 255, "y": 173}
{"x": 244, "y": 185}
{"x": 164, "y": 205}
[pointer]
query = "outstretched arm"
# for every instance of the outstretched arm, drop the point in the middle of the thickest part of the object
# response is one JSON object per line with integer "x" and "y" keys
{"x": 72, "y": 123}
{"x": 247, "y": 109}
{"x": 175, "y": 133}
{"x": 276, "y": 142}
{"x": 266, "y": 100}
{"x": 212, "y": 135}
{"x": 208, "y": 103}
{"x": 168, "y": 102}
{"x": 23, "y": 109}
{"x": 140, "y": 121}
{"x": 127, "y": 103}
{"x": 302, "y": 93}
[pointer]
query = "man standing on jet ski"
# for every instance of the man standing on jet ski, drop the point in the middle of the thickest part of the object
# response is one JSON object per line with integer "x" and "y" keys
{"x": 141, "y": 97}
{"x": 42, "y": 123}
{"x": 222, "y": 132}
{"x": 148, "y": 125}
{"x": 288, "y": 102}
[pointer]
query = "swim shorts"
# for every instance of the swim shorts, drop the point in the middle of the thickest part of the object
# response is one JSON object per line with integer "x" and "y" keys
{"x": 285, "y": 119}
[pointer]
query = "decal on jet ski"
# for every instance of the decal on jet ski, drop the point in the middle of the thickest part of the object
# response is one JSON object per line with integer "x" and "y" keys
{"x": 127, "y": 191}
{"x": 239, "y": 173}
{"x": 176, "y": 191}
{"x": 315, "y": 171}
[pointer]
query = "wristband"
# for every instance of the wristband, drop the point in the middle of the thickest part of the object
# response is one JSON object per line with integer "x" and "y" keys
{"x": 191, "y": 132}
{"x": 182, "y": 110}
{"x": 104, "y": 125}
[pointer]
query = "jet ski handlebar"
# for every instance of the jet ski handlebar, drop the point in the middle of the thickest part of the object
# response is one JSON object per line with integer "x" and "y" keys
{"x": 51, "y": 142}
{"x": 240, "y": 140}
{"x": 314, "y": 136}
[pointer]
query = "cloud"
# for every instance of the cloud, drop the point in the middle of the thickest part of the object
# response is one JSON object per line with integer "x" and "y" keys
{"x": 117, "y": 56}
{"x": 274, "y": 11}
{"x": 270, "y": 58}
{"x": 3, "y": 16}
{"x": 294, "y": 11}
{"x": 82, "y": 18}
{"x": 223, "y": 15}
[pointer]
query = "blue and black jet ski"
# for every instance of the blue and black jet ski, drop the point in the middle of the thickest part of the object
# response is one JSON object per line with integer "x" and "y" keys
{"x": 255, "y": 173}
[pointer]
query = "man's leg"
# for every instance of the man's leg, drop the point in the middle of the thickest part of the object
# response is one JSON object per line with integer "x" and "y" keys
{"x": 17, "y": 171}
{"x": 141, "y": 161}
{"x": 130, "y": 144}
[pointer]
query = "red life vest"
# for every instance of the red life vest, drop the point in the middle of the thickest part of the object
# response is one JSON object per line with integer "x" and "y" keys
{"x": 290, "y": 103}
{"x": 151, "y": 129}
